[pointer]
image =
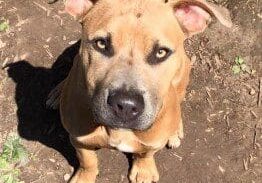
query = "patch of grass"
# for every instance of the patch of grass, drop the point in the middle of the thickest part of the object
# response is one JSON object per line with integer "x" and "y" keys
{"x": 240, "y": 66}
{"x": 4, "y": 25}
{"x": 13, "y": 156}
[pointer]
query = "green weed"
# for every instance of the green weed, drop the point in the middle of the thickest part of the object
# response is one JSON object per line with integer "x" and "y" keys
{"x": 4, "y": 25}
{"x": 13, "y": 156}
{"x": 240, "y": 66}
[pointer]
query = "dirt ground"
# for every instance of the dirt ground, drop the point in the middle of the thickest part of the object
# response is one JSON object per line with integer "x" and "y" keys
{"x": 222, "y": 118}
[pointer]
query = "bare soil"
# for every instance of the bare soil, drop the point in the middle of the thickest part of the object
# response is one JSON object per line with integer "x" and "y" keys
{"x": 223, "y": 126}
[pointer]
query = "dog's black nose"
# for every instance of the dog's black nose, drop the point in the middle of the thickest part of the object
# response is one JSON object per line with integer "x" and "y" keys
{"x": 126, "y": 105}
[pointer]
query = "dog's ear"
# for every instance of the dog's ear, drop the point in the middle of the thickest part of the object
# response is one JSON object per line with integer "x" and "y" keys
{"x": 78, "y": 8}
{"x": 194, "y": 15}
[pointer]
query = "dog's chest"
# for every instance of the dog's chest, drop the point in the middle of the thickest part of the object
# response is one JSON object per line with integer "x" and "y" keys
{"x": 123, "y": 146}
{"x": 124, "y": 141}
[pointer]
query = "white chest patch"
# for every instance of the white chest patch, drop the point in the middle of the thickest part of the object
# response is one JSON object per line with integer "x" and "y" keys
{"x": 123, "y": 147}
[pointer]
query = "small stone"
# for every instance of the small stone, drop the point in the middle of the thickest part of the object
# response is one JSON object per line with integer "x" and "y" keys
{"x": 202, "y": 44}
{"x": 52, "y": 160}
{"x": 72, "y": 169}
{"x": 48, "y": 39}
{"x": 209, "y": 130}
{"x": 67, "y": 176}
{"x": 72, "y": 42}
{"x": 217, "y": 60}
{"x": 193, "y": 59}
{"x": 252, "y": 92}
{"x": 2, "y": 44}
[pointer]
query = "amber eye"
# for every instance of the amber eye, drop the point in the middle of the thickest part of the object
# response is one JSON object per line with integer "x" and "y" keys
{"x": 158, "y": 54}
{"x": 161, "y": 53}
{"x": 101, "y": 44}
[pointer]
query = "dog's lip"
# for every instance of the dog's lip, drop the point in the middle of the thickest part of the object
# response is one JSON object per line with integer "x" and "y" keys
{"x": 114, "y": 126}
{"x": 122, "y": 127}
{"x": 118, "y": 128}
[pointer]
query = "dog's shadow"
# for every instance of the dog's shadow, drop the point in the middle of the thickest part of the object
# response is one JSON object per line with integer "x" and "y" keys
{"x": 33, "y": 84}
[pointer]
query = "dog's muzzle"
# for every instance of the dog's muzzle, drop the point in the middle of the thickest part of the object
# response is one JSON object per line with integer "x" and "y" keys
{"x": 127, "y": 106}
{"x": 119, "y": 107}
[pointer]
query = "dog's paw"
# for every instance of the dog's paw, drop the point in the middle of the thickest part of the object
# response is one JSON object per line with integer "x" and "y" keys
{"x": 175, "y": 140}
{"x": 144, "y": 171}
{"x": 84, "y": 176}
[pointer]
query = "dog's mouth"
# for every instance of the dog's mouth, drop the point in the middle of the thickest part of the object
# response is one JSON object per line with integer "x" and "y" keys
{"x": 113, "y": 122}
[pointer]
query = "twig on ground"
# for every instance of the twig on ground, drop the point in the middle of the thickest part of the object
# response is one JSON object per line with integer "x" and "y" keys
{"x": 248, "y": 1}
{"x": 21, "y": 22}
{"x": 52, "y": 1}
{"x": 40, "y": 6}
{"x": 255, "y": 137}
{"x": 48, "y": 11}
{"x": 210, "y": 103}
{"x": 245, "y": 163}
{"x": 60, "y": 19}
{"x": 5, "y": 63}
{"x": 254, "y": 114}
{"x": 48, "y": 51}
{"x": 176, "y": 155}
{"x": 227, "y": 121}
{"x": 259, "y": 92}
{"x": 13, "y": 9}
{"x": 208, "y": 92}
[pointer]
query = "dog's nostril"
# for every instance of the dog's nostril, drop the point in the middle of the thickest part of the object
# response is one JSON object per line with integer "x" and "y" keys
{"x": 120, "y": 107}
{"x": 126, "y": 105}
{"x": 134, "y": 110}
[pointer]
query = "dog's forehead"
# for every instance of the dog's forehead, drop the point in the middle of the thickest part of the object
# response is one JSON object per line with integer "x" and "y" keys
{"x": 151, "y": 17}
{"x": 131, "y": 6}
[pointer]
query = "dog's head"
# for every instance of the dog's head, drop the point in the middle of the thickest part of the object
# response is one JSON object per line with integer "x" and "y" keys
{"x": 133, "y": 51}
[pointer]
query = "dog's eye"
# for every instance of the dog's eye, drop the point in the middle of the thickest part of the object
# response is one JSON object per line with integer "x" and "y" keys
{"x": 103, "y": 45}
{"x": 159, "y": 54}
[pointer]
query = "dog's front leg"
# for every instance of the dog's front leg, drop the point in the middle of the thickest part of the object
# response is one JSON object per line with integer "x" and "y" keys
{"x": 88, "y": 169}
{"x": 144, "y": 168}
{"x": 175, "y": 140}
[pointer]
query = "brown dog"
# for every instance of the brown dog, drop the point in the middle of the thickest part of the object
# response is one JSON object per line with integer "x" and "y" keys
{"x": 126, "y": 85}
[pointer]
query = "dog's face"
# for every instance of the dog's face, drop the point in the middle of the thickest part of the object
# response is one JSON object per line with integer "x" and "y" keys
{"x": 132, "y": 56}
{"x": 133, "y": 52}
